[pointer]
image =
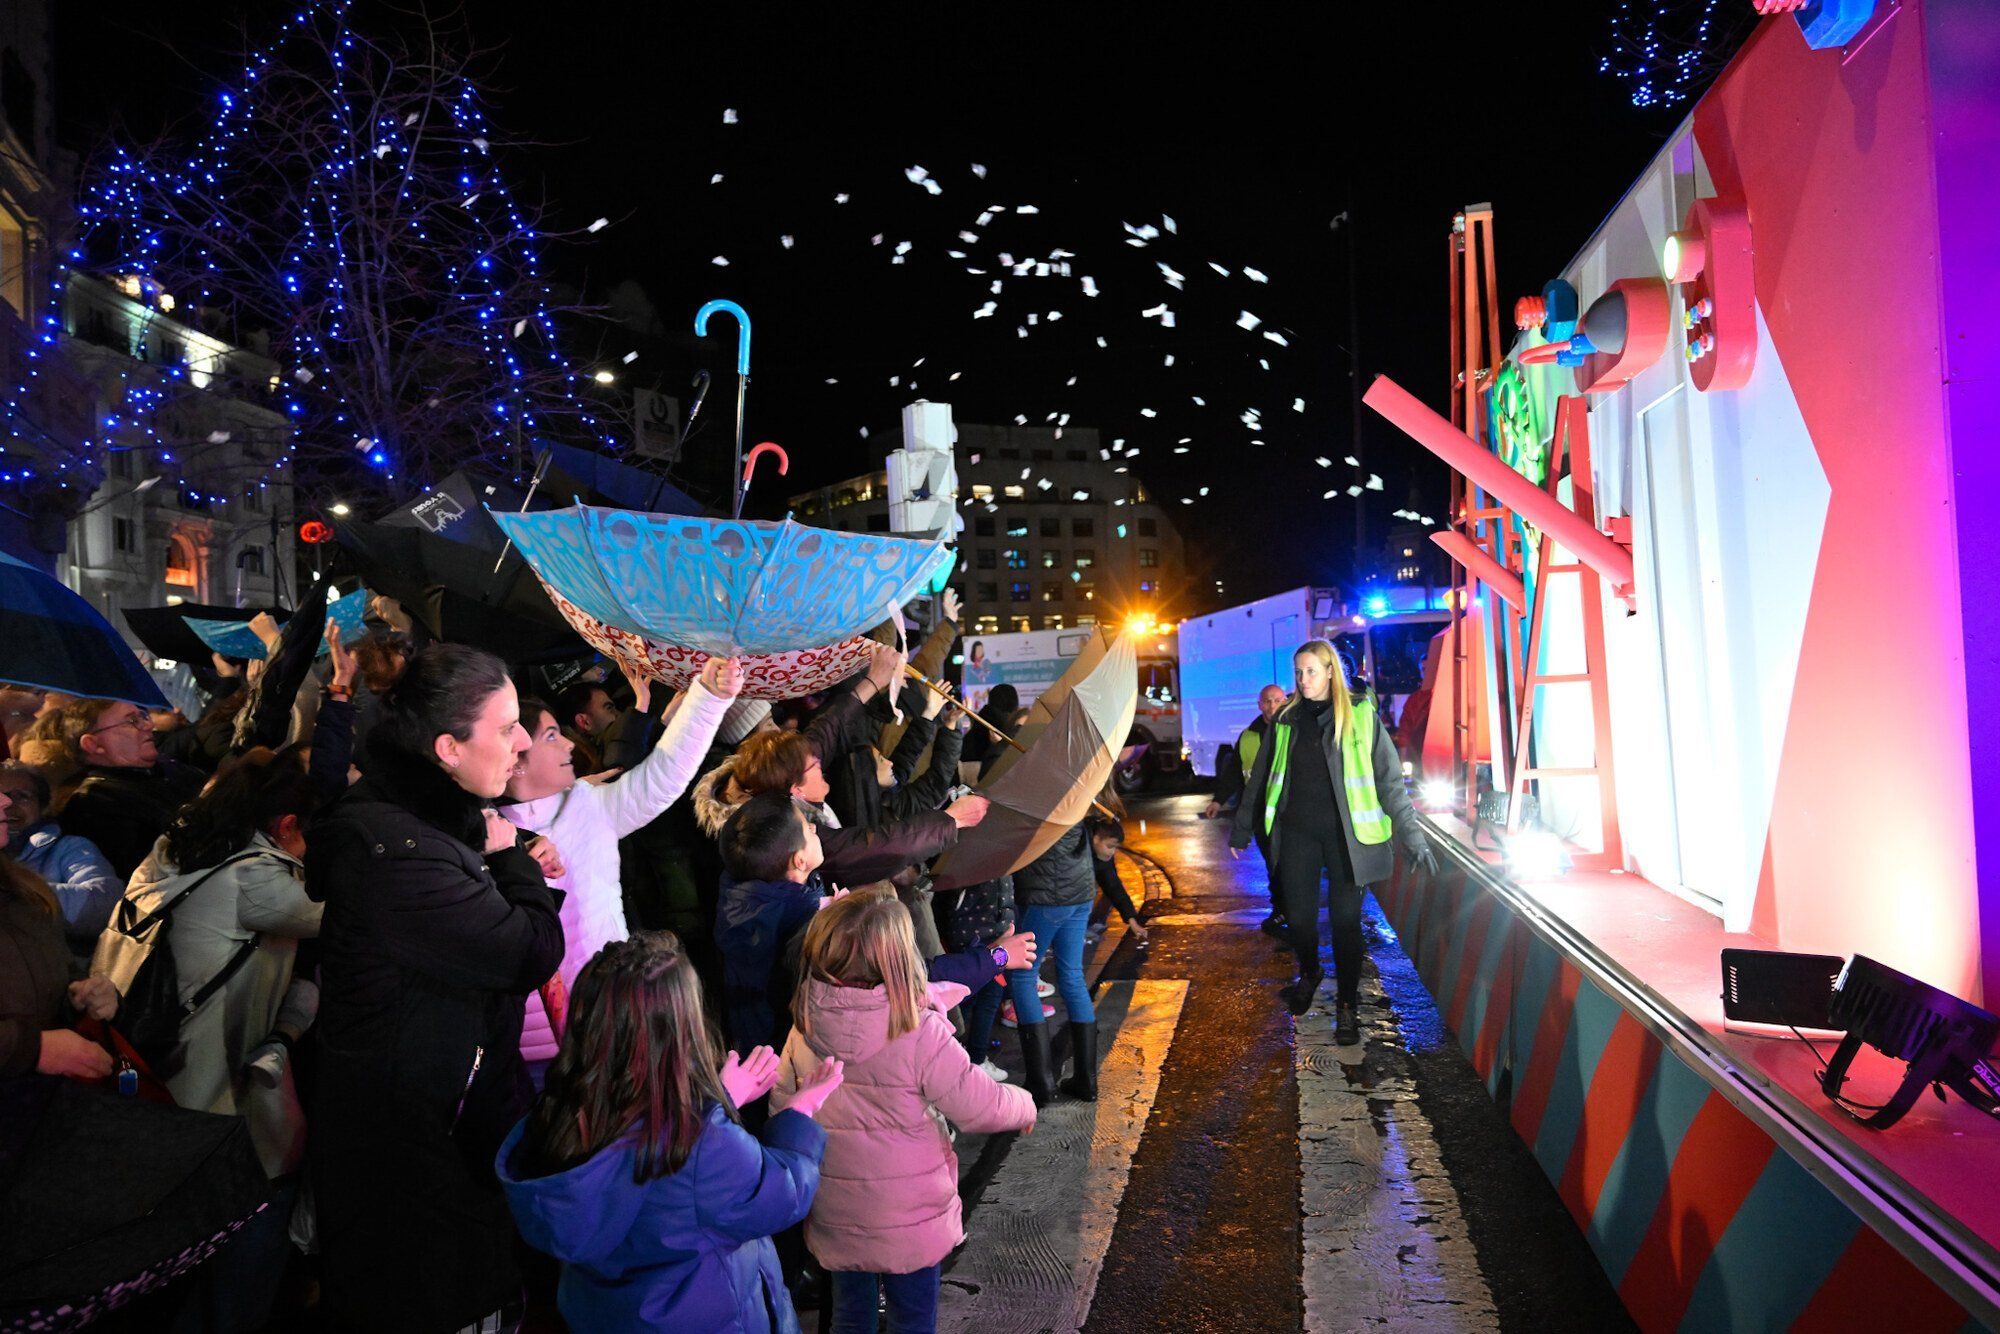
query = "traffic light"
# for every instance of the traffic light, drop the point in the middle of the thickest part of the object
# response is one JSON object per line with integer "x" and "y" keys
{"x": 923, "y": 475}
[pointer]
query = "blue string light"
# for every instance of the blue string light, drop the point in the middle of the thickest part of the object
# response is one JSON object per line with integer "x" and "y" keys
{"x": 292, "y": 240}
{"x": 1660, "y": 50}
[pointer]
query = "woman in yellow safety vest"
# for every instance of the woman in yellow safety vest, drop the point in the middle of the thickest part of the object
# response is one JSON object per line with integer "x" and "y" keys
{"x": 1327, "y": 793}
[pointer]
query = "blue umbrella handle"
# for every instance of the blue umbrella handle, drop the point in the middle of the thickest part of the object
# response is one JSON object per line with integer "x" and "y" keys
{"x": 742, "y": 330}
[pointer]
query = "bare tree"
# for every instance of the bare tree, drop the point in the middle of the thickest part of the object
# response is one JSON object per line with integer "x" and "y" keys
{"x": 346, "y": 215}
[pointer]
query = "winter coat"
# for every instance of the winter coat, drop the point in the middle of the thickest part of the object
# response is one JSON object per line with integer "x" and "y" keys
{"x": 983, "y": 912}
{"x": 888, "y": 1186}
{"x": 1229, "y": 777}
{"x": 428, "y": 948}
{"x": 854, "y": 857}
{"x": 1372, "y": 862}
{"x": 754, "y": 930}
{"x": 687, "y": 1251}
{"x": 586, "y": 820}
{"x": 123, "y": 811}
{"x": 842, "y": 732}
{"x": 263, "y": 899}
{"x": 1062, "y": 877}
{"x": 86, "y": 887}
{"x": 36, "y": 969}
{"x": 926, "y": 792}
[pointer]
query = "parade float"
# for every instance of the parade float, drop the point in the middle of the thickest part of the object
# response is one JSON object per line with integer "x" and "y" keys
{"x": 1725, "y": 679}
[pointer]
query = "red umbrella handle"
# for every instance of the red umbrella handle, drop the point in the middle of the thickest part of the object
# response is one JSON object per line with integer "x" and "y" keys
{"x": 750, "y": 463}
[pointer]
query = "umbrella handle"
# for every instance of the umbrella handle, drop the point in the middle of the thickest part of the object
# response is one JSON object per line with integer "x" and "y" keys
{"x": 750, "y": 464}
{"x": 742, "y": 330}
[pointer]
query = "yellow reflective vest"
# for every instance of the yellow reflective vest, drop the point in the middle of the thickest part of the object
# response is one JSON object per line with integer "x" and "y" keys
{"x": 1357, "y": 770}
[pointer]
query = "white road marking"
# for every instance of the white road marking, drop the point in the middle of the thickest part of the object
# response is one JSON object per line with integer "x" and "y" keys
{"x": 1036, "y": 1244}
{"x": 1383, "y": 1236}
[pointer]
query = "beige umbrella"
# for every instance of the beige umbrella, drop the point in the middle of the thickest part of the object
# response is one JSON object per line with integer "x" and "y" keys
{"x": 1069, "y": 743}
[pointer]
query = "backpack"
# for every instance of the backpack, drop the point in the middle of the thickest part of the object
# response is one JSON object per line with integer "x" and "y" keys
{"x": 136, "y": 952}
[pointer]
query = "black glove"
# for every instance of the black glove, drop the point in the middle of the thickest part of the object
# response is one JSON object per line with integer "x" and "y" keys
{"x": 1417, "y": 851}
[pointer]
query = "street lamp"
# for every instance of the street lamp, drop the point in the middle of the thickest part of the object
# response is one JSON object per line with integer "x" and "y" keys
{"x": 340, "y": 509}
{"x": 605, "y": 377}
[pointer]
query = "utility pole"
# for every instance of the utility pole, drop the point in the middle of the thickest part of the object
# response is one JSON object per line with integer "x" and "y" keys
{"x": 1346, "y": 219}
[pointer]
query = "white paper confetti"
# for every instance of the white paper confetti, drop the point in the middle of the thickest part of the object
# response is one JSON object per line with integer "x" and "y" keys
{"x": 720, "y": 262}
{"x": 520, "y": 327}
{"x": 1374, "y": 482}
{"x": 785, "y": 241}
{"x": 1218, "y": 268}
{"x": 1323, "y": 461}
{"x": 1247, "y": 321}
{"x": 840, "y": 199}
{"x": 1254, "y": 275}
{"x": 1170, "y": 224}
{"x": 629, "y": 358}
{"x": 1277, "y": 338}
{"x": 1147, "y": 412}
{"x": 729, "y": 115}
{"x": 1027, "y": 208}
{"x": 1298, "y": 405}
{"x": 715, "y": 179}
{"x": 599, "y": 225}
{"x": 1101, "y": 341}
{"x": 1351, "y": 461}
{"x": 979, "y": 170}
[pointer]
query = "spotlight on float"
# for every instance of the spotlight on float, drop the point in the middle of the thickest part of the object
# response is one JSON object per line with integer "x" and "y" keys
{"x": 1535, "y": 854}
{"x": 1438, "y": 794}
{"x": 1946, "y": 1042}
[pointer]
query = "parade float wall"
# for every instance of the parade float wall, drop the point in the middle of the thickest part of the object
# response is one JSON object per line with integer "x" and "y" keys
{"x": 1695, "y": 1187}
{"x": 1789, "y": 689}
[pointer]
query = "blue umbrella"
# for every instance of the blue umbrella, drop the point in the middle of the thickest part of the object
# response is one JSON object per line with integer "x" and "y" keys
{"x": 54, "y": 640}
{"x": 718, "y": 585}
{"x": 235, "y": 639}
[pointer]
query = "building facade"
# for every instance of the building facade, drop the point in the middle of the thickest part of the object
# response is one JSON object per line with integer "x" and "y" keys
{"x": 196, "y": 501}
{"x": 1055, "y": 534}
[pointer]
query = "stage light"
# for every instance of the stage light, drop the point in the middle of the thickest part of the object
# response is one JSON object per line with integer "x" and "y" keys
{"x": 340, "y": 510}
{"x": 1946, "y": 1042}
{"x": 1437, "y": 794}
{"x": 1377, "y": 605}
{"x": 1536, "y": 854}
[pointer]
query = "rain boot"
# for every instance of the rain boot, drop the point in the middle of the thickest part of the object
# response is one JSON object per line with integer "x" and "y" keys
{"x": 1039, "y": 1080}
{"x": 1082, "y": 1083}
{"x": 1346, "y": 1024}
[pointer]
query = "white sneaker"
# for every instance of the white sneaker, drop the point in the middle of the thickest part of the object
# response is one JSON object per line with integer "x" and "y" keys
{"x": 1045, "y": 988}
{"x": 992, "y": 1071}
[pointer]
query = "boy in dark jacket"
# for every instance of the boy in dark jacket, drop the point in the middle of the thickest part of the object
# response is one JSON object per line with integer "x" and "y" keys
{"x": 772, "y": 851}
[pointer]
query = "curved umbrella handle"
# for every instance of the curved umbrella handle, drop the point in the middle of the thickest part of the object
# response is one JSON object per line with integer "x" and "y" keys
{"x": 750, "y": 464}
{"x": 742, "y": 330}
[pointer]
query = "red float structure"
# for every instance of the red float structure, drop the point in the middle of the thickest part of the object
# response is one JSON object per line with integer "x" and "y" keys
{"x": 1725, "y": 675}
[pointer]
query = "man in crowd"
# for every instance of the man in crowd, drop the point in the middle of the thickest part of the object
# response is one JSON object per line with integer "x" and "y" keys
{"x": 1229, "y": 776}
{"x": 127, "y": 795}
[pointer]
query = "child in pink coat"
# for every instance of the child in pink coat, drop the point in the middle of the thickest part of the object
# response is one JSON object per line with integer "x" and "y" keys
{"x": 887, "y": 1211}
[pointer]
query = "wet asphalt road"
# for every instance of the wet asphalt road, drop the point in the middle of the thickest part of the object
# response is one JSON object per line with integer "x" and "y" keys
{"x": 1211, "y": 1229}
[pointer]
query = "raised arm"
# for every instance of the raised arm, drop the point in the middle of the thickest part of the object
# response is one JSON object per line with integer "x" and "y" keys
{"x": 635, "y": 799}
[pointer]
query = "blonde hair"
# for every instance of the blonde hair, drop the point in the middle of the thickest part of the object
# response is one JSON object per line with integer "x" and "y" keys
{"x": 1340, "y": 696}
{"x": 865, "y": 940}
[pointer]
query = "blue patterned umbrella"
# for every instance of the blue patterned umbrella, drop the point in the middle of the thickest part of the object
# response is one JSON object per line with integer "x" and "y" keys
{"x": 54, "y": 640}
{"x": 721, "y": 586}
{"x": 235, "y": 639}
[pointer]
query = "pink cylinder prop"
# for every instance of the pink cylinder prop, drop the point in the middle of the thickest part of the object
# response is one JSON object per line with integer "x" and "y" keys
{"x": 1485, "y": 470}
{"x": 1483, "y": 568}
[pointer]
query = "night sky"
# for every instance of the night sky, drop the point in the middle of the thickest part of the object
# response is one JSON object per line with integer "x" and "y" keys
{"x": 1251, "y": 127}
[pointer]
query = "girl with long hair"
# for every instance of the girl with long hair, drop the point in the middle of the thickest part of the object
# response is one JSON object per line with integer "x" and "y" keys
{"x": 1327, "y": 792}
{"x": 634, "y": 1170}
{"x": 887, "y": 1212}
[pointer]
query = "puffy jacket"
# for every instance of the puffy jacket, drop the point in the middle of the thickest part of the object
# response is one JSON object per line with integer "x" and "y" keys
{"x": 853, "y": 856}
{"x": 687, "y": 1251}
{"x": 260, "y": 898}
{"x": 586, "y": 820}
{"x": 428, "y": 949}
{"x": 86, "y": 887}
{"x": 888, "y": 1190}
{"x": 754, "y": 929}
{"x": 1372, "y": 862}
{"x": 1061, "y": 877}
{"x": 981, "y": 913}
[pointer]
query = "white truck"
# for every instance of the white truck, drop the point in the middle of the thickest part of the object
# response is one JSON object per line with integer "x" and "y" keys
{"x": 1030, "y": 661}
{"x": 1228, "y": 656}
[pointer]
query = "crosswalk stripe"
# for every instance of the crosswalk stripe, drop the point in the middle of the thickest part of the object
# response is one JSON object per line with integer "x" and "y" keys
{"x": 1036, "y": 1244}
{"x": 1384, "y": 1240}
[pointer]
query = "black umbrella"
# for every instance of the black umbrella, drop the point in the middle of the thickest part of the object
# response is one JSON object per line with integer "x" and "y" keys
{"x": 164, "y": 630}
{"x": 104, "y": 1198}
{"x": 451, "y": 588}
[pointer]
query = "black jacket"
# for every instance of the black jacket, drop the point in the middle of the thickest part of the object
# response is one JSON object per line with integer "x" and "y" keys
{"x": 914, "y": 796}
{"x": 429, "y": 949}
{"x": 36, "y": 969}
{"x": 1372, "y": 862}
{"x": 1062, "y": 877}
{"x": 124, "y": 811}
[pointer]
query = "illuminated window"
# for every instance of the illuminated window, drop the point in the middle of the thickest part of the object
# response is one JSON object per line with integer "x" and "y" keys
{"x": 1051, "y": 558}
{"x": 1148, "y": 558}
{"x": 1052, "y": 592}
{"x": 1087, "y": 592}
{"x": 1022, "y": 625}
{"x": 1014, "y": 493}
{"x": 1017, "y": 527}
{"x": 1017, "y": 559}
{"x": 1018, "y": 591}
{"x": 1084, "y": 618}
{"x": 988, "y": 625}
{"x": 180, "y": 562}
{"x": 981, "y": 491}
{"x": 1085, "y": 557}
{"x": 1052, "y": 622}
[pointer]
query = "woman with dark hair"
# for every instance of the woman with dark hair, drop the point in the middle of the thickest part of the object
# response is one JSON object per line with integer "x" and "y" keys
{"x": 1002, "y": 710}
{"x": 438, "y": 925}
{"x": 634, "y": 1170}
{"x": 231, "y": 865}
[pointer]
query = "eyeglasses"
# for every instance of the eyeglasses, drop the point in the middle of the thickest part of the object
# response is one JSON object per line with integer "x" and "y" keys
{"x": 138, "y": 722}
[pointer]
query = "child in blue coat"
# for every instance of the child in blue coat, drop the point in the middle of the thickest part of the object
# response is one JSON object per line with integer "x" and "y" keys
{"x": 631, "y": 1167}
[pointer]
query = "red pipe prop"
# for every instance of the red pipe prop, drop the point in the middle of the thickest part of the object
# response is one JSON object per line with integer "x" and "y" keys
{"x": 1485, "y": 470}
{"x": 750, "y": 463}
{"x": 1483, "y": 568}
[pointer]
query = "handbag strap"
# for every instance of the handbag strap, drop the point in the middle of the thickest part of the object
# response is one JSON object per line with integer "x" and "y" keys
{"x": 221, "y": 979}
{"x": 166, "y": 909}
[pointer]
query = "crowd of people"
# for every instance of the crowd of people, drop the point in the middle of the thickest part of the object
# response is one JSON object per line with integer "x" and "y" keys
{"x": 631, "y": 1011}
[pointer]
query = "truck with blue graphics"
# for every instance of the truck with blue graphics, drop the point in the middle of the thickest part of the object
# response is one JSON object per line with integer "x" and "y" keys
{"x": 1227, "y": 657}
